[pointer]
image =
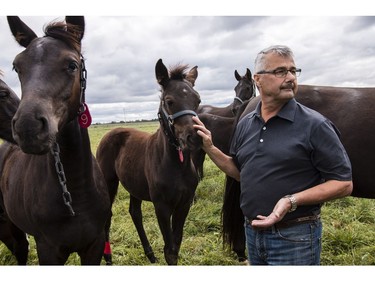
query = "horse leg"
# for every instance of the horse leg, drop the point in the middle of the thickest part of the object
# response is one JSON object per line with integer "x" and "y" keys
{"x": 48, "y": 255}
{"x": 178, "y": 222}
{"x": 15, "y": 240}
{"x": 92, "y": 255}
{"x": 135, "y": 211}
{"x": 107, "y": 248}
{"x": 21, "y": 244}
{"x": 112, "y": 190}
{"x": 163, "y": 214}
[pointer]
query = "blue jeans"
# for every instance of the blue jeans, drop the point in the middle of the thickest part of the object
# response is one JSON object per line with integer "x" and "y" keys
{"x": 294, "y": 245}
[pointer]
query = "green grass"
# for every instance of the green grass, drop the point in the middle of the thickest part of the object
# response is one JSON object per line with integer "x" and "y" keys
{"x": 348, "y": 225}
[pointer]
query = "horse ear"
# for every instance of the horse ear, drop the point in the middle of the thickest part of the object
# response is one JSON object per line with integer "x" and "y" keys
{"x": 238, "y": 77}
{"x": 248, "y": 74}
{"x": 21, "y": 32}
{"x": 192, "y": 75}
{"x": 78, "y": 22}
{"x": 161, "y": 73}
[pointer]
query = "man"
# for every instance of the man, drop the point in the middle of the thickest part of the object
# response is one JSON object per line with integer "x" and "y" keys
{"x": 289, "y": 160}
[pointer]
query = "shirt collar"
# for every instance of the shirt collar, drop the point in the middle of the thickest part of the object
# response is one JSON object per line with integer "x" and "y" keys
{"x": 287, "y": 111}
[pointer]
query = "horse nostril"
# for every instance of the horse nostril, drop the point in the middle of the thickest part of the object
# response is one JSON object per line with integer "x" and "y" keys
{"x": 44, "y": 123}
{"x": 14, "y": 120}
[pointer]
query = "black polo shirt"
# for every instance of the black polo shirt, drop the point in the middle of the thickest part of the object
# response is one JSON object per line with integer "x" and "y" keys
{"x": 295, "y": 150}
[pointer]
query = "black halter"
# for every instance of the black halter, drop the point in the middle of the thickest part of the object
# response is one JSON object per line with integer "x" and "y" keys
{"x": 167, "y": 120}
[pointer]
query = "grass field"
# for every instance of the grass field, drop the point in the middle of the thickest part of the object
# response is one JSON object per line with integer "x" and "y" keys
{"x": 348, "y": 225}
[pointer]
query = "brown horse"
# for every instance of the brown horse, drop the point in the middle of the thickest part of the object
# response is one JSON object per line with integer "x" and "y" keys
{"x": 245, "y": 90}
{"x": 157, "y": 167}
{"x": 51, "y": 185}
{"x": 352, "y": 111}
{"x": 13, "y": 238}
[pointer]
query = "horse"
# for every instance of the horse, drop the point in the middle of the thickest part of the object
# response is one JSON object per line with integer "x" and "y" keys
{"x": 51, "y": 185}
{"x": 351, "y": 110}
{"x": 220, "y": 120}
{"x": 9, "y": 102}
{"x": 245, "y": 90}
{"x": 17, "y": 244}
{"x": 157, "y": 167}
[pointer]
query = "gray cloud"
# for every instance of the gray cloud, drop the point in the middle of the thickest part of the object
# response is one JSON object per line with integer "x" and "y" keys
{"x": 121, "y": 53}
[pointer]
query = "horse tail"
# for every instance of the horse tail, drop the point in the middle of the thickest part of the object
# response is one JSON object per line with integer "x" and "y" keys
{"x": 233, "y": 219}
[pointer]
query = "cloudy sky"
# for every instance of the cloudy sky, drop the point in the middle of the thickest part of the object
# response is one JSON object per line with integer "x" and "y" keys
{"x": 121, "y": 52}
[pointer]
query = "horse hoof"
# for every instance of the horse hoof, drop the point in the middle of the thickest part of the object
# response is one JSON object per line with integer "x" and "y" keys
{"x": 242, "y": 259}
{"x": 244, "y": 262}
{"x": 151, "y": 257}
{"x": 108, "y": 259}
{"x": 171, "y": 259}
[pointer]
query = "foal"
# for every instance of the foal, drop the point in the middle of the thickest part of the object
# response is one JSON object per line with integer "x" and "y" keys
{"x": 157, "y": 167}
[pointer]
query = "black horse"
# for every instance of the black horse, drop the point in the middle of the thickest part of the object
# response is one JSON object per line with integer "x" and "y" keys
{"x": 51, "y": 185}
{"x": 9, "y": 102}
{"x": 15, "y": 240}
{"x": 352, "y": 111}
{"x": 245, "y": 90}
{"x": 157, "y": 167}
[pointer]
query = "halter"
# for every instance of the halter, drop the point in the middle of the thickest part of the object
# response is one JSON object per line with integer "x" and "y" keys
{"x": 239, "y": 99}
{"x": 83, "y": 80}
{"x": 167, "y": 120}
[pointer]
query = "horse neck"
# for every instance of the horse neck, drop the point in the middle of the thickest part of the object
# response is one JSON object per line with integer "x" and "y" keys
{"x": 75, "y": 147}
{"x": 225, "y": 111}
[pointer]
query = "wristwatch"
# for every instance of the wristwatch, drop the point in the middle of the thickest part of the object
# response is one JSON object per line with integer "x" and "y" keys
{"x": 293, "y": 202}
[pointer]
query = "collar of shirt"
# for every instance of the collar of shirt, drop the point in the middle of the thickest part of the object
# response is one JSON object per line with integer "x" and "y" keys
{"x": 288, "y": 111}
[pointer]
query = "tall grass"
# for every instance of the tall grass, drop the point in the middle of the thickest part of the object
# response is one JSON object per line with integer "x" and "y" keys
{"x": 348, "y": 225}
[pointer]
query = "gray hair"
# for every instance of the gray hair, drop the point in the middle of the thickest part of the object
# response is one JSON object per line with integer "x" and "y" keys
{"x": 281, "y": 50}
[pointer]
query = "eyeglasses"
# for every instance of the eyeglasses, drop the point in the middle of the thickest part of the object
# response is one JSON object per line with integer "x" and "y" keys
{"x": 282, "y": 72}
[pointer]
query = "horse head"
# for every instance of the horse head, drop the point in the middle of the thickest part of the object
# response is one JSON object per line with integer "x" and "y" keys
{"x": 178, "y": 102}
{"x": 245, "y": 89}
{"x": 50, "y": 70}
{"x": 9, "y": 102}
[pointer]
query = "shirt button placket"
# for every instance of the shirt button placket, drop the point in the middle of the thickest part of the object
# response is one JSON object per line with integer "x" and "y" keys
{"x": 261, "y": 139}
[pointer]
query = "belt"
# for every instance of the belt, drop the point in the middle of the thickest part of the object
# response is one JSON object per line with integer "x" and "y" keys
{"x": 292, "y": 222}
{"x": 287, "y": 223}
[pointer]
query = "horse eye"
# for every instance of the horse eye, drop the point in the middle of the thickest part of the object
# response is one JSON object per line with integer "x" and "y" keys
{"x": 4, "y": 94}
{"x": 73, "y": 66}
{"x": 169, "y": 103}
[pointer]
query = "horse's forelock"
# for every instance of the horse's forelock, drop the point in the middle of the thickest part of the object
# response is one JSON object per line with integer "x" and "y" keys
{"x": 178, "y": 72}
{"x": 66, "y": 32}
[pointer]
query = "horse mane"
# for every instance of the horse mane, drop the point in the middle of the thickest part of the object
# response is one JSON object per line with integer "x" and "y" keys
{"x": 178, "y": 72}
{"x": 1, "y": 73}
{"x": 68, "y": 33}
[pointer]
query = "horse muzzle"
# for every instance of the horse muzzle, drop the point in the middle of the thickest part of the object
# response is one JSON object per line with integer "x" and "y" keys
{"x": 189, "y": 140}
{"x": 33, "y": 133}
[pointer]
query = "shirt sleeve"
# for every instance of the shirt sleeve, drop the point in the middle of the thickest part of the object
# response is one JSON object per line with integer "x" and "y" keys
{"x": 328, "y": 154}
{"x": 234, "y": 146}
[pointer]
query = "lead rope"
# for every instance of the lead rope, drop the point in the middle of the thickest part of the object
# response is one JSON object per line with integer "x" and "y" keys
{"x": 62, "y": 179}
